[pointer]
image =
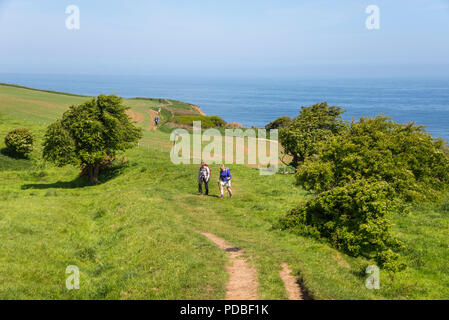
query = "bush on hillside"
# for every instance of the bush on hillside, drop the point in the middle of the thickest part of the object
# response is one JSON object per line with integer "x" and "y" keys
{"x": 300, "y": 138}
{"x": 370, "y": 169}
{"x": 20, "y": 141}
{"x": 234, "y": 125}
{"x": 218, "y": 122}
{"x": 354, "y": 219}
{"x": 404, "y": 156}
{"x": 206, "y": 121}
{"x": 279, "y": 123}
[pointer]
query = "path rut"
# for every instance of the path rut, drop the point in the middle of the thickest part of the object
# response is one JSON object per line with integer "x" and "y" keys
{"x": 291, "y": 284}
{"x": 243, "y": 282}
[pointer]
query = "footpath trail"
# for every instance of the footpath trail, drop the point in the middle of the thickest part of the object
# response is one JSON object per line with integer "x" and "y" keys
{"x": 243, "y": 284}
{"x": 152, "y": 114}
{"x": 294, "y": 291}
{"x": 135, "y": 116}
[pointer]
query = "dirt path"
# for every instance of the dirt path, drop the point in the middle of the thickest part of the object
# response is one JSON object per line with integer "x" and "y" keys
{"x": 152, "y": 114}
{"x": 242, "y": 283}
{"x": 135, "y": 116}
{"x": 291, "y": 284}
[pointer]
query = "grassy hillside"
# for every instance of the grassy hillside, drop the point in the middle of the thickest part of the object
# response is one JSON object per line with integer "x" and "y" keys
{"x": 43, "y": 107}
{"x": 135, "y": 235}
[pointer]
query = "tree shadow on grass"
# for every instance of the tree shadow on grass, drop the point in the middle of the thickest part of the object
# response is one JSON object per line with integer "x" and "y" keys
{"x": 78, "y": 182}
{"x": 11, "y": 154}
{"x": 13, "y": 162}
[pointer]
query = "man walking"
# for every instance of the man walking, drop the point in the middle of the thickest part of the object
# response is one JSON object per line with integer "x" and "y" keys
{"x": 203, "y": 177}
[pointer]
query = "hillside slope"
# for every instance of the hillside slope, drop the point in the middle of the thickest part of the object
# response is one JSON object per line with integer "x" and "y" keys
{"x": 40, "y": 106}
{"x": 137, "y": 234}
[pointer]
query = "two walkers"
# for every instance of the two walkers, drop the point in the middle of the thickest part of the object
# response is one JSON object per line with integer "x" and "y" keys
{"x": 224, "y": 180}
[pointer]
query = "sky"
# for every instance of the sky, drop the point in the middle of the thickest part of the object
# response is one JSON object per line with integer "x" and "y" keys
{"x": 278, "y": 38}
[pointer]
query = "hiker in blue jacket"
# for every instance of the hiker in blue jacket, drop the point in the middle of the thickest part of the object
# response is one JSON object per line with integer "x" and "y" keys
{"x": 225, "y": 180}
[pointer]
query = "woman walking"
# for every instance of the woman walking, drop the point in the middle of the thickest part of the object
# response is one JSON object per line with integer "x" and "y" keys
{"x": 225, "y": 180}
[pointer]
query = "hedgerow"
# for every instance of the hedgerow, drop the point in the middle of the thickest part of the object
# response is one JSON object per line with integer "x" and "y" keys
{"x": 206, "y": 121}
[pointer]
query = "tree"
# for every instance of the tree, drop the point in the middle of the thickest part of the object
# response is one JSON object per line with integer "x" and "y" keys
{"x": 406, "y": 157}
{"x": 361, "y": 176}
{"x": 279, "y": 123}
{"x": 20, "y": 141}
{"x": 300, "y": 139}
{"x": 90, "y": 134}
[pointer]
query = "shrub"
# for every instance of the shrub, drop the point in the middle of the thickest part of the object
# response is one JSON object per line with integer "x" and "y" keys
{"x": 20, "y": 141}
{"x": 218, "y": 122}
{"x": 315, "y": 175}
{"x": 234, "y": 125}
{"x": 404, "y": 156}
{"x": 368, "y": 170}
{"x": 206, "y": 121}
{"x": 353, "y": 218}
{"x": 280, "y": 122}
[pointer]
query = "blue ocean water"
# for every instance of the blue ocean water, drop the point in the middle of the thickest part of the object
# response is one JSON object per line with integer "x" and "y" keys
{"x": 255, "y": 102}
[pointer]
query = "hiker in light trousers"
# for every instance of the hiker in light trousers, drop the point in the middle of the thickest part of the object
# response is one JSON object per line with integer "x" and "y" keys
{"x": 224, "y": 180}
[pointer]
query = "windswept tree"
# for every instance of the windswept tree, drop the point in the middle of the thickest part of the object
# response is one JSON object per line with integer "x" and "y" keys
{"x": 280, "y": 122}
{"x": 302, "y": 136}
{"x": 90, "y": 134}
{"x": 363, "y": 176}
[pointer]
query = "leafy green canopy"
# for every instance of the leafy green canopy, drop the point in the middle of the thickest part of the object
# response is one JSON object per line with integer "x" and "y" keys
{"x": 404, "y": 156}
{"x": 364, "y": 173}
{"x": 20, "y": 141}
{"x": 206, "y": 121}
{"x": 280, "y": 122}
{"x": 353, "y": 218}
{"x": 89, "y": 133}
{"x": 300, "y": 138}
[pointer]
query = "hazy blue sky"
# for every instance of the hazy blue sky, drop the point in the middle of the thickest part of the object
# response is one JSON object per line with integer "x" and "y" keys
{"x": 226, "y": 37}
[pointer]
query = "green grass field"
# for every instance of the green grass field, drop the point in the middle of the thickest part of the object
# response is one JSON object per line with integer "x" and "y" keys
{"x": 135, "y": 235}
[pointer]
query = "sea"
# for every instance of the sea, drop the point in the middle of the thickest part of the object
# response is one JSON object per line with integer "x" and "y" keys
{"x": 257, "y": 101}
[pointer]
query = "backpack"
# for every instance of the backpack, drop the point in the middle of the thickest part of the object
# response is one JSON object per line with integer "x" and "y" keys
{"x": 210, "y": 171}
